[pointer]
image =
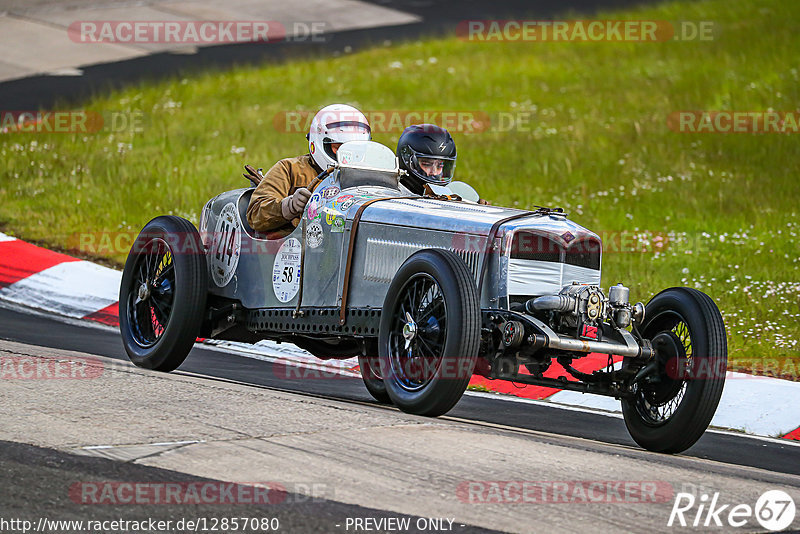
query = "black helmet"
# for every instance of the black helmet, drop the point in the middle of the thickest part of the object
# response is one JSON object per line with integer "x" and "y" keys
{"x": 428, "y": 153}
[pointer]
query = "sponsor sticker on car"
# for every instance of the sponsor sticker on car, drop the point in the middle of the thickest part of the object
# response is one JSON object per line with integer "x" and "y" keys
{"x": 337, "y": 225}
{"x": 344, "y": 202}
{"x": 330, "y": 192}
{"x": 286, "y": 270}
{"x": 314, "y": 204}
{"x": 314, "y": 234}
{"x": 330, "y": 215}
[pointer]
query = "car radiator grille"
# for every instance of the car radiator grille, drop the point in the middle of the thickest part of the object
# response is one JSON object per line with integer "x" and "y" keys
{"x": 580, "y": 253}
{"x": 539, "y": 265}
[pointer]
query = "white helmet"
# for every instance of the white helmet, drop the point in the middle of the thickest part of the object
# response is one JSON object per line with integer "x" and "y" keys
{"x": 337, "y": 123}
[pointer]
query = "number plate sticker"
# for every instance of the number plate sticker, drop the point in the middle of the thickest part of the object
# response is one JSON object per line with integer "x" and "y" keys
{"x": 226, "y": 246}
{"x": 286, "y": 270}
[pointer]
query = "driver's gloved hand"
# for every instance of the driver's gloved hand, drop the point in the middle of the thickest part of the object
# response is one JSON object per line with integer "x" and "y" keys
{"x": 293, "y": 205}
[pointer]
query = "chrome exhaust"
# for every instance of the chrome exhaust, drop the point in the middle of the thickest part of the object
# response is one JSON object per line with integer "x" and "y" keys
{"x": 603, "y": 347}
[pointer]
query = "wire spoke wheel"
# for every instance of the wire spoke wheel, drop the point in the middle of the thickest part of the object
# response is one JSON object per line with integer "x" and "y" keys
{"x": 150, "y": 306}
{"x": 659, "y": 401}
{"x": 672, "y": 407}
{"x": 418, "y": 333}
{"x": 430, "y": 332}
{"x": 163, "y": 293}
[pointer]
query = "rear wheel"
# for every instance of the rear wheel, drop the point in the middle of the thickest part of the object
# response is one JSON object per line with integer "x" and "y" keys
{"x": 672, "y": 407}
{"x": 163, "y": 294}
{"x": 370, "y": 367}
{"x": 430, "y": 333}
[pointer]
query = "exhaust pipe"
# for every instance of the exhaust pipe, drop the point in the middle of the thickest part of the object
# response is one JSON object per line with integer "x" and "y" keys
{"x": 603, "y": 347}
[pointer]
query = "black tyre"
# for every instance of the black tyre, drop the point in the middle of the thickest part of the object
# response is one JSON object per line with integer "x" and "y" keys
{"x": 670, "y": 413}
{"x": 429, "y": 333}
{"x": 163, "y": 294}
{"x": 370, "y": 366}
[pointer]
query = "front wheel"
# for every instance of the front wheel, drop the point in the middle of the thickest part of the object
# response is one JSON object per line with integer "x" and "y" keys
{"x": 673, "y": 406}
{"x": 429, "y": 333}
{"x": 163, "y": 294}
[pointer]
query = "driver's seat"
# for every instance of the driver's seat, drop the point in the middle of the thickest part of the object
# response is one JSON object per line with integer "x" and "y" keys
{"x": 278, "y": 233}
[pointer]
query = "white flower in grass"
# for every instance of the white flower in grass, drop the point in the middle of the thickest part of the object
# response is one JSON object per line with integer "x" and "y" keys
{"x": 396, "y": 65}
{"x": 237, "y": 149}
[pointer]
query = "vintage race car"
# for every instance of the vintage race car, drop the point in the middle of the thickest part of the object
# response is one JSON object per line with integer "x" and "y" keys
{"x": 426, "y": 291}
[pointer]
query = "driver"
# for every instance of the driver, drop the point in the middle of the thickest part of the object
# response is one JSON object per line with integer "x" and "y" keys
{"x": 279, "y": 199}
{"x": 428, "y": 154}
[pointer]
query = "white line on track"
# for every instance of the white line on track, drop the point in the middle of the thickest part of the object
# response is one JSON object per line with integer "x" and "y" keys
{"x": 160, "y": 444}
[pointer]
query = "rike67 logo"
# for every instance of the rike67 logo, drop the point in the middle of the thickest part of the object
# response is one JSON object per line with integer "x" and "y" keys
{"x": 774, "y": 510}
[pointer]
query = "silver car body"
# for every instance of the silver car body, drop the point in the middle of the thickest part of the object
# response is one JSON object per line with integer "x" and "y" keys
{"x": 535, "y": 250}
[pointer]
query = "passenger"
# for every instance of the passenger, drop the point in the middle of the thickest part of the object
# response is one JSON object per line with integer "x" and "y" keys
{"x": 280, "y": 197}
{"x": 428, "y": 154}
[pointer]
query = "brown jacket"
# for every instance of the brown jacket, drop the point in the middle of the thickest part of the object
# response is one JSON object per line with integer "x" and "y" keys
{"x": 264, "y": 211}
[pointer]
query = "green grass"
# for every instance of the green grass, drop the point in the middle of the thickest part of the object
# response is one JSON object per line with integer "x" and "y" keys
{"x": 598, "y": 145}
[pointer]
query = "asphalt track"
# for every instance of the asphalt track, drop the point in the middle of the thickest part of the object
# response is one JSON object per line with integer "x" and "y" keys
{"x": 43, "y": 470}
{"x": 728, "y": 448}
{"x": 438, "y": 18}
{"x": 47, "y": 472}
